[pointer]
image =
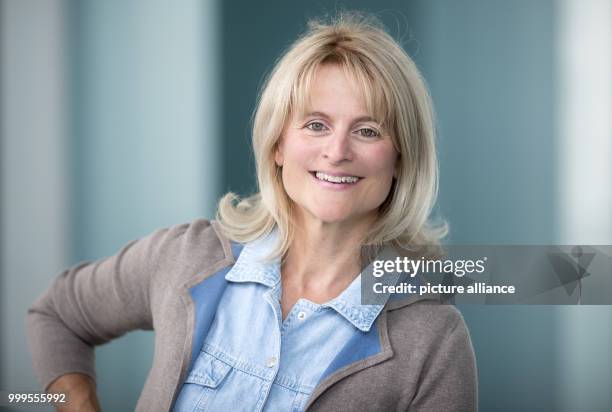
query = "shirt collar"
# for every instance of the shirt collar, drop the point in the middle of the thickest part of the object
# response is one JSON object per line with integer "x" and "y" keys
{"x": 253, "y": 265}
{"x": 349, "y": 305}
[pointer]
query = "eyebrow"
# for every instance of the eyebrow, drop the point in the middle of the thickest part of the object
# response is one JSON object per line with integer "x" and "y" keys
{"x": 359, "y": 119}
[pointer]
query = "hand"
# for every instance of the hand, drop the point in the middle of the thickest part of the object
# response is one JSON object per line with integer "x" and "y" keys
{"x": 80, "y": 392}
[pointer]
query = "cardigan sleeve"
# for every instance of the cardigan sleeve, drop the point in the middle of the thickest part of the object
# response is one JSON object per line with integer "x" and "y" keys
{"x": 449, "y": 383}
{"x": 92, "y": 303}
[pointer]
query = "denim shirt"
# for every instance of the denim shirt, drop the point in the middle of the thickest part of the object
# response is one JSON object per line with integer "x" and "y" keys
{"x": 252, "y": 359}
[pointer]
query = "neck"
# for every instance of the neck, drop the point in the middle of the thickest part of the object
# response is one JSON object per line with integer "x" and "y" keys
{"x": 324, "y": 258}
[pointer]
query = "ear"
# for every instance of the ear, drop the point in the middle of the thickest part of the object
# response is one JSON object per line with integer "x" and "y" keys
{"x": 279, "y": 158}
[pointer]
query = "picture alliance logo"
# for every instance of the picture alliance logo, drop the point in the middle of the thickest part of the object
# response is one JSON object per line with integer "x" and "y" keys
{"x": 412, "y": 267}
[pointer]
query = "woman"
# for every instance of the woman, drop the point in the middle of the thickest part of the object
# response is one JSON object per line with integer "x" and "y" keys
{"x": 260, "y": 310}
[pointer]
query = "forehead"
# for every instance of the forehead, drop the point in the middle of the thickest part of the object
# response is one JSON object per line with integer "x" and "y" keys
{"x": 327, "y": 84}
{"x": 334, "y": 92}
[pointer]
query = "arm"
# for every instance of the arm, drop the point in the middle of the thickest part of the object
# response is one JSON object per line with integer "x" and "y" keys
{"x": 90, "y": 304}
{"x": 449, "y": 380}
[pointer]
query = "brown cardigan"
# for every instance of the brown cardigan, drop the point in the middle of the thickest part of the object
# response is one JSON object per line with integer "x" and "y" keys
{"x": 425, "y": 363}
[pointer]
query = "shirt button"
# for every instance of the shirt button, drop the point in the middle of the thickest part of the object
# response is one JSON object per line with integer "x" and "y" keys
{"x": 301, "y": 315}
{"x": 271, "y": 362}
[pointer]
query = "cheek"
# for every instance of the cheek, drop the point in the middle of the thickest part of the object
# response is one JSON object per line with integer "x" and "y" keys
{"x": 298, "y": 153}
{"x": 296, "y": 158}
{"x": 383, "y": 162}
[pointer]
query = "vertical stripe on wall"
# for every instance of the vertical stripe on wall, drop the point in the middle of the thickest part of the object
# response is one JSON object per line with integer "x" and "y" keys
{"x": 144, "y": 121}
{"x": 34, "y": 189}
{"x": 584, "y": 76}
{"x": 584, "y": 56}
{"x": 144, "y": 141}
{"x": 489, "y": 65}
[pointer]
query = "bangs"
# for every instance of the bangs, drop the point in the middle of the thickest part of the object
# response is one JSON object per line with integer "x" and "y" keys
{"x": 364, "y": 78}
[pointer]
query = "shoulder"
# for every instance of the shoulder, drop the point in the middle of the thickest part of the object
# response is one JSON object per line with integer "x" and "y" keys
{"x": 424, "y": 324}
{"x": 428, "y": 339}
{"x": 192, "y": 244}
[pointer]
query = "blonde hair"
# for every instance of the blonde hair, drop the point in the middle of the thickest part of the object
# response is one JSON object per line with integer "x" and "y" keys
{"x": 396, "y": 96}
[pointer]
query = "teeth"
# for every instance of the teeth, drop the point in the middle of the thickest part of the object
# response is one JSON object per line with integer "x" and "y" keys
{"x": 336, "y": 179}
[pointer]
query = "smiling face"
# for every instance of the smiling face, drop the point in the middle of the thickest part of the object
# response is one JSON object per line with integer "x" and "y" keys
{"x": 337, "y": 162}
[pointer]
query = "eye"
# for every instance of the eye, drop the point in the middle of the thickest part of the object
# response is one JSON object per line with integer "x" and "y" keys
{"x": 316, "y": 126}
{"x": 367, "y": 132}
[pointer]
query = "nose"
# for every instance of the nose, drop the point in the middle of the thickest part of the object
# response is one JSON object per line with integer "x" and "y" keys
{"x": 338, "y": 147}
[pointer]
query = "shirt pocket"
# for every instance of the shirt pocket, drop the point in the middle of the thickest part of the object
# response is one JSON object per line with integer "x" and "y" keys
{"x": 201, "y": 384}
